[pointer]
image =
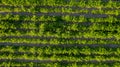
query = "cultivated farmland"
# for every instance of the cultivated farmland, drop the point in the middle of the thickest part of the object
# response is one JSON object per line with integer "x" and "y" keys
{"x": 60, "y": 33}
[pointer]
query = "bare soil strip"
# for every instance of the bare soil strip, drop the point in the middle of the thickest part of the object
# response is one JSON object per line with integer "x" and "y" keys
{"x": 60, "y": 7}
{"x": 60, "y": 45}
{"x": 56, "y": 14}
{"x": 50, "y": 37}
{"x": 56, "y": 61}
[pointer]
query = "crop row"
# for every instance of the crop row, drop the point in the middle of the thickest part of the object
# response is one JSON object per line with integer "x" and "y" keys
{"x": 63, "y": 34}
{"x": 54, "y": 56}
{"x": 59, "y": 57}
{"x": 98, "y": 51}
{"x": 60, "y": 29}
{"x": 54, "y": 7}
{"x": 81, "y": 3}
{"x": 36, "y": 25}
{"x": 64, "y": 25}
{"x": 67, "y": 18}
{"x": 58, "y": 41}
{"x": 16, "y": 62}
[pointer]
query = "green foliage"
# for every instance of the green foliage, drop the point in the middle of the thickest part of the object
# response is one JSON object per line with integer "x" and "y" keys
{"x": 59, "y": 33}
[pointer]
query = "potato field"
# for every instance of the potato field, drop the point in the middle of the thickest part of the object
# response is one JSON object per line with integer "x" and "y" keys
{"x": 59, "y": 33}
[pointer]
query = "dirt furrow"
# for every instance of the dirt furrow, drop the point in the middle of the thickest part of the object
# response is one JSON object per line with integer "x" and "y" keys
{"x": 56, "y": 61}
{"x": 56, "y": 14}
{"x": 51, "y": 37}
{"x": 60, "y": 45}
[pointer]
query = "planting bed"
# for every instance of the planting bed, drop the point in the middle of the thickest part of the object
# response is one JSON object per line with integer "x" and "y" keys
{"x": 60, "y": 33}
